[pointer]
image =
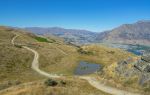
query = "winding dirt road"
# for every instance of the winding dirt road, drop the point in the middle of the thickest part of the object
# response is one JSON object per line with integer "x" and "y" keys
{"x": 111, "y": 90}
{"x": 92, "y": 81}
{"x": 35, "y": 64}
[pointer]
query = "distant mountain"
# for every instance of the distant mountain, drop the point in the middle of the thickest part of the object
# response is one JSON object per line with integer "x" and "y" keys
{"x": 71, "y": 35}
{"x": 137, "y": 33}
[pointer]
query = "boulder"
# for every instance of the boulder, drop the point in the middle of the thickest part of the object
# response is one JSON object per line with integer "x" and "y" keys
{"x": 146, "y": 58}
{"x": 147, "y": 69}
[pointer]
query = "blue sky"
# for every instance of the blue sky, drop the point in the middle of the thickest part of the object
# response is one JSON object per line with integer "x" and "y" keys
{"x": 94, "y": 15}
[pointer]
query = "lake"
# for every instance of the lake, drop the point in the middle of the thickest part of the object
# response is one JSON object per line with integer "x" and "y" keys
{"x": 85, "y": 68}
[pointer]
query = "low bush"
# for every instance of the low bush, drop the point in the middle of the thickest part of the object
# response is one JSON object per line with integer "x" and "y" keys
{"x": 147, "y": 89}
{"x": 18, "y": 46}
{"x": 81, "y": 51}
{"x": 50, "y": 82}
{"x": 63, "y": 82}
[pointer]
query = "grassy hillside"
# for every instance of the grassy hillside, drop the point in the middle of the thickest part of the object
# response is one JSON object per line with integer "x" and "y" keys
{"x": 55, "y": 56}
{"x": 69, "y": 86}
{"x": 103, "y": 55}
{"x": 15, "y": 62}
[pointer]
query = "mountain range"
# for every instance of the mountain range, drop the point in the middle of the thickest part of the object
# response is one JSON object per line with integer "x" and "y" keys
{"x": 136, "y": 33}
{"x": 70, "y": 35}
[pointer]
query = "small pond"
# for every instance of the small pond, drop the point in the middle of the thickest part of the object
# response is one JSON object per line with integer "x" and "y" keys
{"x": 84, "y": 68}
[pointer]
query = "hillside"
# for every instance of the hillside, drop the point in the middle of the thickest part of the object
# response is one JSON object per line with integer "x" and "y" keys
{"x": 54, "y": 57}
{"x": 102, "y": 54}
{"x": 137, "y": 33}
{"x": 16, "y": 62}
{"x": 69, "y": 86}
{"x": 15, "y": 65}
{"x": 131, "y": 74}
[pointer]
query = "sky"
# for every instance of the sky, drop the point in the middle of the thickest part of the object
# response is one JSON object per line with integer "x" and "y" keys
{"x": 93, "y": 15}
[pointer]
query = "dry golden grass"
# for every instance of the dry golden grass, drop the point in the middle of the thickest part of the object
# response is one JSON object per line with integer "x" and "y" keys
{"x": 15, "y": 62}
{"x": 55, "y": 57}
{"x": 104, "y": 55}
{"x": 60, "y": 58}
{"x": 73, "y": 86}
{"x": 56, "y": 61}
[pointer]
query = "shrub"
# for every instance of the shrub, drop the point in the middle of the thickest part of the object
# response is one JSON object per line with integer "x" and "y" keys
{"x": 18, "y": 46}
{"x": 111, "y": 52}
{"x": 81, "y": 51}
{"x": 147, "y": 89}
{"x": 63, "y": 82}
{"x": 50, "y": 82}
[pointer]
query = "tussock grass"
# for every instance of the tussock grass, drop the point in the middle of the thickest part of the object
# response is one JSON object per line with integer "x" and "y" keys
{"x": 73, "y": 86}
{"x": 104, "y": 55}
{"x": 57, "y": 58}
{"x": 15, "y": 63}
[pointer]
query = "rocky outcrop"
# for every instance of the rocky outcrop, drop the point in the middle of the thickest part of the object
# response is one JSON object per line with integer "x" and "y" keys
{"x": 146, "y": 58}
{"x": 140, "y": 69}
{"x": 144, "y": 63}
{"x": 147, "y": 69}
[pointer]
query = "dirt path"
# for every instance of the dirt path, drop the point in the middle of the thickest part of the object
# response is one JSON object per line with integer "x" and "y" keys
{"x": 92, "y": 81}
{"x": 12, "y": 41}
{"x": 35, "y": 64}
{"x": 114, "y": 91}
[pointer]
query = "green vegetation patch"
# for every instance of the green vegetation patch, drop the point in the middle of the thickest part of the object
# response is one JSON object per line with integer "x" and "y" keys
{"x": 41, "y": 39}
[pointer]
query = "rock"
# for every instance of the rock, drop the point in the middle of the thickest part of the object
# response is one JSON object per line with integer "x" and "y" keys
{"x": 122, "y": 62}
{"x": 146, "y": 58}
{"x": 147, "y": 69}
{"x": 140, "y": 69}
{"x": 144, "y": 78}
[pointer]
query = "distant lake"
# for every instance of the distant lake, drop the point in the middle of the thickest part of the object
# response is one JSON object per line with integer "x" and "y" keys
{"x": 136, "y": 52}
{"x": 84, "y": 68}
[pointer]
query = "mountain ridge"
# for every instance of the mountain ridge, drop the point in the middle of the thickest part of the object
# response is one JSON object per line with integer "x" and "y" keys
{"x": 136, "y": 33}
{"x": 70, "y": 35}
